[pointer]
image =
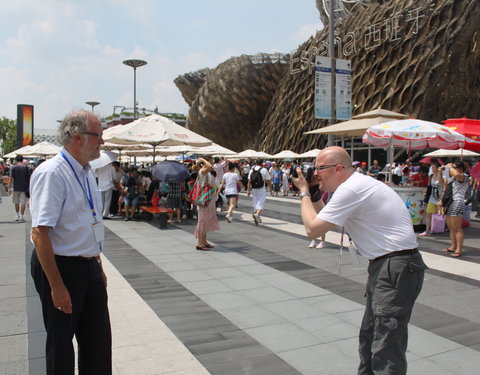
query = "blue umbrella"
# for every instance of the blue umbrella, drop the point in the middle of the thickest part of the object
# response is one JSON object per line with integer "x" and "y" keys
{"x": 170, "y": 171}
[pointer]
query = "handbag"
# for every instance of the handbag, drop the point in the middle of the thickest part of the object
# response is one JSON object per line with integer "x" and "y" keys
{"x": 201, "y": 193}
{"x": 438, "y": 222}
{"x": 447, "y": 196}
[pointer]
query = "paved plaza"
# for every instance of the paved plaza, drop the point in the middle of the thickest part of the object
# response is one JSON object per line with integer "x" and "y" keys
{"x": 261, "y": 302}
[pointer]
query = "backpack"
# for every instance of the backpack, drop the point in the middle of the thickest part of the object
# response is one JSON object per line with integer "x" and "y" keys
{"x": 257, "y": 178}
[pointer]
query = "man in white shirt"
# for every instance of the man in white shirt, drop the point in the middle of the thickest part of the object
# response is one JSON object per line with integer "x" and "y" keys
{"x": 380, "y": 225}
{"x": 106, "y": 182}
{"x": 258, "y": 181}
{"x": 68, "y": 235}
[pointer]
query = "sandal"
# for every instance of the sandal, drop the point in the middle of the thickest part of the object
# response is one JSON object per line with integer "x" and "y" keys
{"x": 208, "y": 246}
{"x": 448, "y": 251}
{"x": 456, "y": 255}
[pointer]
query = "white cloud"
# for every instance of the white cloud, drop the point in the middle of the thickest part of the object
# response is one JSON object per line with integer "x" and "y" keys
{"x": 305, "y": 32}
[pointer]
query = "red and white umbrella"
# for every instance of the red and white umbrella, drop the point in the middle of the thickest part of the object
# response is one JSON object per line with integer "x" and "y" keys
{"x": 413, "y": 134}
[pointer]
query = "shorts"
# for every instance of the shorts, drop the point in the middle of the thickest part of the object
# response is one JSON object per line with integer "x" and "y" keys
{"x": 456, "y": 208}
{"x": 432, "y": 208}
{"x": 19, "y": 197}
{"x": 276, "y": 187}
{"x": 230, "y": 196}
{"x": 132, "y": 202}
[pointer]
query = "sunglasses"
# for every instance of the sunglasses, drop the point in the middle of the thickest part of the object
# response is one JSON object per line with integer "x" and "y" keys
{"x": 326, "y": 166}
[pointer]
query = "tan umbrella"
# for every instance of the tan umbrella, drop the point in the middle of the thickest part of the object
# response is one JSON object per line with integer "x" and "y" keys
{"x": 285, "y": 154}
{"x": 42, "y": 149}
{"x": 358, "y": 124}
{"x": 441, "y": 153}
{"x": 213, "y": 149}
{"x": 310, "y": 154}
{"x": 157, "y": 130}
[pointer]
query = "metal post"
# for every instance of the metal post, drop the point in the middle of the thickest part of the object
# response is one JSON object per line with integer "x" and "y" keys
{"x": 331, "y": 53}
{"x": 135, "y": 64}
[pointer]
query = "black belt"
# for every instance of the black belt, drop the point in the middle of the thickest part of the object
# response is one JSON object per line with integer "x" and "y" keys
{"x": 78, "y": 257}
{"x": 396, "y": 254}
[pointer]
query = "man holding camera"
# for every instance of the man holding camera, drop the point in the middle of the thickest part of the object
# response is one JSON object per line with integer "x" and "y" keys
{"x": 364, "y": 207}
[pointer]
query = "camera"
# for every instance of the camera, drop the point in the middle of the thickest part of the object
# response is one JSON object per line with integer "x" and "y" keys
{"x": 307, "y": 171}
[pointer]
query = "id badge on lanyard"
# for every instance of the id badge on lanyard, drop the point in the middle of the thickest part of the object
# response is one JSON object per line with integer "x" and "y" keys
{"x": 97, "y": 226}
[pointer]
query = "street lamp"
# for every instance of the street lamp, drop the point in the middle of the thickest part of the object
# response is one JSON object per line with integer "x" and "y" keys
{"x": 93, "y": 104}
{"x": 135, "y": 64}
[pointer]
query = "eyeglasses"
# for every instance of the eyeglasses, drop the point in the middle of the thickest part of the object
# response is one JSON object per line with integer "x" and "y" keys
{"x": 97, "y": 135}
{"x": 322, "y": 167}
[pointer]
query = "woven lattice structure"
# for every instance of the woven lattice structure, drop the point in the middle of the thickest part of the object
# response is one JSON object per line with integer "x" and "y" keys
{"x": 232, "y": 102}
{"x": 428, "y": 68}
{"x": 189, "y": 84}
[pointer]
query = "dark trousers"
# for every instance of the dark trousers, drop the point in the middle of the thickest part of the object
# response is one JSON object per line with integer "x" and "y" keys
{"x": 392, "y": 288}
{"x": 89, "y": 321}
{"x": 114, "y": 203}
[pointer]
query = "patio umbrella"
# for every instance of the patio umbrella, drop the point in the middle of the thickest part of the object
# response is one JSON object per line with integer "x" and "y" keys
{"x": 16, "y": 152}
{"x": 157, "y": 130}
{"x": 170, "y": 171}
{"x": 213, "y": 149}
{"x": 310, "y": 154}
{"x": 426, "y": 160}
{"x": 106, "y": 157}
{"x": 452, "y": 153}
{"x": 413, "y": 134}
{"x": 42, "y": 149}
{"x": 285, "y": 154}
{"x": 252, "y": 154}
{"x": 475, "y": 171}
{"x": 469, "y": 128}
{"x": 358, "y": 124}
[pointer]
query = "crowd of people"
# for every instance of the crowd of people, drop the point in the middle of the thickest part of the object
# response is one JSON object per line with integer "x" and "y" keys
{"x": 68, "y": 230}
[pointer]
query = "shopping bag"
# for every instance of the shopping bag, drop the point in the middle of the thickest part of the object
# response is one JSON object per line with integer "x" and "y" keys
{"x": 438, "y": 223}
{"x": 201, "y": 193}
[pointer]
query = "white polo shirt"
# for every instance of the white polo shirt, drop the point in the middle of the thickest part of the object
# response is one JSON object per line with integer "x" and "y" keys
{"x": 58, "y": 201}
{"x": 373, "y": 215}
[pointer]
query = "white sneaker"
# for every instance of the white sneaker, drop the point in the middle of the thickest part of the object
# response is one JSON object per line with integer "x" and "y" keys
{"x": 424, "y": 234}
{"x": 259, "y": 219}
{"x": 312, "y": 244}
{"x": 17, "y": 218}
{"x": 21, "y": 220}
{"x": 321, "y": 245}
{"x": 229, "y": 218}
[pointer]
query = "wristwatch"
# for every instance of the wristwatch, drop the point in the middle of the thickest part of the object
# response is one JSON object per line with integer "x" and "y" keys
{"x": 301, "y": 195}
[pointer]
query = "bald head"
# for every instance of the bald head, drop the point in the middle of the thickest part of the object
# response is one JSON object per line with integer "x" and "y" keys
{"x": 334, "y": 155}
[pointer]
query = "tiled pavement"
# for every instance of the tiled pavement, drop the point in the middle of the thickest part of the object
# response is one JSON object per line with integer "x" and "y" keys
{"x": 259, "y": 303}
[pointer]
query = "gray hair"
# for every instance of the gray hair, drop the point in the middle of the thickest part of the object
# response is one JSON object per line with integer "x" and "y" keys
{"x": 74, "y": 123}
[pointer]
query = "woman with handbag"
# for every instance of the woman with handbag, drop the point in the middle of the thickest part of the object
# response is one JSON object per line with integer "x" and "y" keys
{"x": 432, "y": 199}
{"x": 207, "y": 214}
{"x": 454, "y": 209}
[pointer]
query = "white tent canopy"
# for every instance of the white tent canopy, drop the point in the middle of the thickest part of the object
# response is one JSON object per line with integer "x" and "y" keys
{"x": 42, "y": 149}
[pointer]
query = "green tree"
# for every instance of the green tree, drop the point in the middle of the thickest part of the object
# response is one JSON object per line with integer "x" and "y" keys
{"x": 8, "y": 135}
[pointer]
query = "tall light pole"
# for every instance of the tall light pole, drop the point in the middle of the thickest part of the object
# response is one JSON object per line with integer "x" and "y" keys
{"x": 93, "y": 104}
{"x": 135, "y": 64}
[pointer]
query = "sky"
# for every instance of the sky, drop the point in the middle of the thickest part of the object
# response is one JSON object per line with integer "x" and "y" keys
{"x": 59, "y": 54}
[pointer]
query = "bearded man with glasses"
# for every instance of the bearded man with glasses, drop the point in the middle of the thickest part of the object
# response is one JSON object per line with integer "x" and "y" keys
{"x": 381, "y": 227}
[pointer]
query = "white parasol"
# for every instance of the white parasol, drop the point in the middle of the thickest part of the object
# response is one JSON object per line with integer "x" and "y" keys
{"x": 310, "y": 154}
{"x": 252, "y": 154}
{"x": 157, "y": 130}
{"x": 106, "y": 157}
{"x": 285, "y": 154}
{"x": 413, "y": 134}
{"x": 452, "y": 153}
{"x": 42, "y": 149}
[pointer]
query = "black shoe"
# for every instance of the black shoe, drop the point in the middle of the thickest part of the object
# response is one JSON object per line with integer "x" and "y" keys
{"x": 202, "y": 248}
